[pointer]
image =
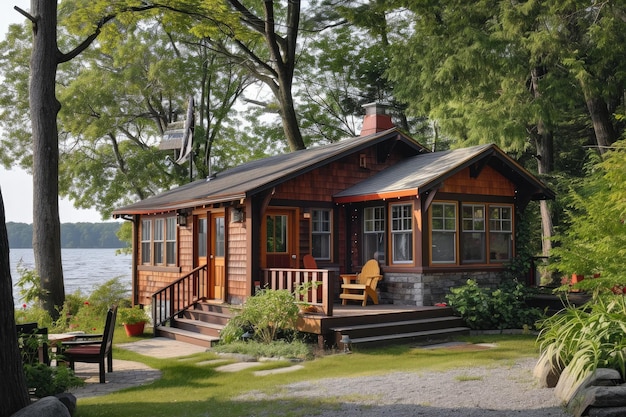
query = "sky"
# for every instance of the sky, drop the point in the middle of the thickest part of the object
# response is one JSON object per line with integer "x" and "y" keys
{"x": 16, "y": 185}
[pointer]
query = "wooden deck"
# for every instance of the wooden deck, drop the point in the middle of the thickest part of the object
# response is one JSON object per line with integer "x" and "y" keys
{"x": 381, "y": 323}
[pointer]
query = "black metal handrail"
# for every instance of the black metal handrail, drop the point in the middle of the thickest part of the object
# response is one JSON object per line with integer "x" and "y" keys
{"x": 180, "y": 295}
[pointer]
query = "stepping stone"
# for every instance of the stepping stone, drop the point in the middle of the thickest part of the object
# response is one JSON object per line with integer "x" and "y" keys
{"x": 279, "y": 370}
{"x": 211, "y": 362}
{"x": 236, "y": 367}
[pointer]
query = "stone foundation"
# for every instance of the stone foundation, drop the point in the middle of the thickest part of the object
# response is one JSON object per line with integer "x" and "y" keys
{"x": 427, "y": 289}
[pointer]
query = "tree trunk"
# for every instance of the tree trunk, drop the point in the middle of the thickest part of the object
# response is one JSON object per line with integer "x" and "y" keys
{"x": 13, "y": 383}
{"x": 545, "y": 156}
{"x": 290, "y": 120}
{"x": 600, "y": 117}
{"x": 44, "y": 107}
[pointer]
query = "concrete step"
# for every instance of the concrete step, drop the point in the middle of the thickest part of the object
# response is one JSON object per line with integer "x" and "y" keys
{"x": 186, "y": 336}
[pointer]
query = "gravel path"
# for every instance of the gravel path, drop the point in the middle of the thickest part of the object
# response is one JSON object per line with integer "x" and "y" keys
{"x": 496, "y": 391}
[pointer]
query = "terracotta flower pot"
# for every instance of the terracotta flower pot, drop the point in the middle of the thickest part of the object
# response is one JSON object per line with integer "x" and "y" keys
{"x": 135, "y": 329}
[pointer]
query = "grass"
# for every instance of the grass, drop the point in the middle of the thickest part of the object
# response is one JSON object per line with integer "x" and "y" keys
{"x": 189, "y": 390}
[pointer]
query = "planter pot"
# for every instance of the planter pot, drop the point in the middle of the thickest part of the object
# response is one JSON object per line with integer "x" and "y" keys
{"x": 135, "y": 329}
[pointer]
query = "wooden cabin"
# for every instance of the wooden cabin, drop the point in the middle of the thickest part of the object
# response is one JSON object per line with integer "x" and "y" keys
{"x": 431, "y": 219}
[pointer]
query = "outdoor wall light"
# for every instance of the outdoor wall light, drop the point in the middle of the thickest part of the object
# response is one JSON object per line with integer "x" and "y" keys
{"x": 181, "y": 218}
{"x": 345, "y": 341}
{"x": 237, "y": 215}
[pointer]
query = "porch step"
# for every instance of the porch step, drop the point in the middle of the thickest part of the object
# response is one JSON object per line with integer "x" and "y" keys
{"x": 186, "y": 336}
{"x": 428, "y": 335}
{"x": 198, "y": 326}
{"x": 429, "y": 328}
{"x": 214, "y": 317}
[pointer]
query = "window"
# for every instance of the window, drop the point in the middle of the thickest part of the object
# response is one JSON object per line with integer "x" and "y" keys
{"x": 277, "y": 234}
{"x": 170, "y": 241}
{"x": 220, "y": 237}
{"x": 473, "y": 244}
{"x": 374, "y": 241}
{"x": 320, "y": 234}
{"x": 486, "y": 233}
{"x": 146, "y": 241}
{"x": 500, "y": 233}
{"x": 443, "y": 232}
{"x": 158, "y": 241}
{"x": 402, "y": 233}
{"x": 202, "y": 237}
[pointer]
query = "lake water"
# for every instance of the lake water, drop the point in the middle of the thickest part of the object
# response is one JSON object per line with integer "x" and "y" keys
{"x": 83, "y": 269}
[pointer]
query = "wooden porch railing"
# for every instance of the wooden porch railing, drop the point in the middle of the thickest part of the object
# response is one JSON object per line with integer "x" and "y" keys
{"x": 292, "y": 279}
{"x": 179, "y": 295}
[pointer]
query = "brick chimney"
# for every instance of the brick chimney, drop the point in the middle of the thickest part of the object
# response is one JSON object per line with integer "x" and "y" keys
{"x": 376, "y": 119}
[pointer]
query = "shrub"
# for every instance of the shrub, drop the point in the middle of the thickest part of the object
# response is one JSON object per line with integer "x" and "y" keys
{"x": 587, "y": 337}
{"x": 503, "y": 308}
{"x": 265, "y": 315}
{"x": 46, "y": 380}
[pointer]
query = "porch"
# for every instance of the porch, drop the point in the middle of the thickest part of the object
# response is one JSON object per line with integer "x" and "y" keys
{"x": 181, "y": 312}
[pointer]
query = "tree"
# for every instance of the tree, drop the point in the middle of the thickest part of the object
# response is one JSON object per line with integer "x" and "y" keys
{"x": 261, "y": 38}
{"x": 13, "y": 382}
{"x": 44, "y": 107}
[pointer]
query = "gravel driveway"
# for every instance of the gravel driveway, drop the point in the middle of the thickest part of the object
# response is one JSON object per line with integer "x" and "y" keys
{"x": 496, "y": 391}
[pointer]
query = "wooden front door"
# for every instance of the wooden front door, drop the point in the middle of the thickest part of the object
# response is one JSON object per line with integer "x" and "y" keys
{"x": 217, "y": 270}
{"x": 280, "y": 239}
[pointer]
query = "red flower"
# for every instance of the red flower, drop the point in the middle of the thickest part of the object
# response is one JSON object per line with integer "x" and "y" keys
{"x": 24, "y": 306}
{"x": 86, "y": 303}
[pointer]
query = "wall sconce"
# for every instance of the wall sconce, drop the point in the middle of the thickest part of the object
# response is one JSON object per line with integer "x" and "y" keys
{"x": 306, "y": 213}
{"x": 345, "y": 341}
{"x": 237, "y": 215}
{"x": 181, "y": 218}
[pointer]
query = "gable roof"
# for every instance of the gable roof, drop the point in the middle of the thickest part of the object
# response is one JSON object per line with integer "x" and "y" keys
{"x": 256, "y": 176}
{"x": 424, "y": 172}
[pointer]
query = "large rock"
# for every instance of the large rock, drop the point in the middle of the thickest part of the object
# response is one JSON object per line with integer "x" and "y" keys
{"x": 546, "y": 371}
{"x": 45, "y": 407}
{"x": 568, "y": 388}
{"x": 607, "y": 412}
{"x": 599, "y": 397}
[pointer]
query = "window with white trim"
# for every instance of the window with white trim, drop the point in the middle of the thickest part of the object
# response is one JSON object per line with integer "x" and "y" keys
{"x": 443, "y": 234}
{"x": 170, "y": 241}
{"x": 473, "y": 243}
{"x": 146, "y": 241}
{"x": 402, "y": 233}
{"x": 374, "y": 239}
{"x": 158, "y": 241}
{"x": 320, "y": 234}
{"x": 500, "y": 233}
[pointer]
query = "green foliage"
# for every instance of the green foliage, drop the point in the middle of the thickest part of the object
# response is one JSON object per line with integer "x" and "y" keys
{"x": 587, "y": 337}
{"x": 503, "y": 308}
{"x": 112, "y": 292}
{"x": 294, "y": 349}
{"x": 29, "y": 284}
{"x": 46, "y": 380}
{"x": 265, "y": 314}
{"x": 594, "y": 241}
{"x": 132, "y": 315}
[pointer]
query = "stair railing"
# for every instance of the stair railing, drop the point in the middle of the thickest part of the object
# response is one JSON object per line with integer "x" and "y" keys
{"x": 178, "y": 296}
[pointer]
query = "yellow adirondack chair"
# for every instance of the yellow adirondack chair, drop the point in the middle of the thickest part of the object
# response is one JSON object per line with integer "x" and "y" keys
{"x": 362, "y": 285}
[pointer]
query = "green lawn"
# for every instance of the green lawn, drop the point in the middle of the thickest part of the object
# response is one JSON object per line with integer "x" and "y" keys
{"x": 189, "y": 390}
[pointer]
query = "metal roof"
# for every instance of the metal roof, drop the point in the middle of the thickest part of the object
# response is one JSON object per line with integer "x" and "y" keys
{"x": 253, "y": 177}
{"x": 426, "y": 171}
